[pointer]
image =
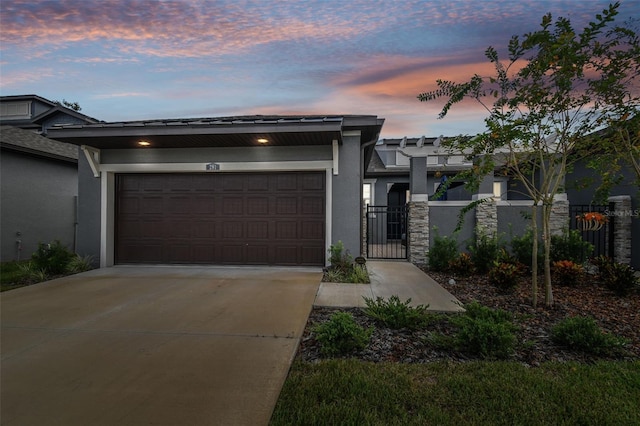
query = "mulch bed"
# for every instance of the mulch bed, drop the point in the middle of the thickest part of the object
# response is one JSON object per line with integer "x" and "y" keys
{"x": 614, "y": 314}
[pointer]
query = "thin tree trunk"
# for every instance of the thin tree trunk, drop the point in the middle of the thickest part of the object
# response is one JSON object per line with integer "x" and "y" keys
{"x": 546, "y": 239}
{"x": 534, "y": 256}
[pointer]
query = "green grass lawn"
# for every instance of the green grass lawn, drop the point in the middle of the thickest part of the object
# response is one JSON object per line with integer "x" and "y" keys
{"x": 352, "y": 392}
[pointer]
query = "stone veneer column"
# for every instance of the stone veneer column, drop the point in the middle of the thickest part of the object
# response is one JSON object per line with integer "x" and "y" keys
{"x": 621, "y": 228}
{"x": 487, "y": 215}
{"x": 486, "y": 211}
{"x": 559, "y": 219}
{"x": 418, "y": 232}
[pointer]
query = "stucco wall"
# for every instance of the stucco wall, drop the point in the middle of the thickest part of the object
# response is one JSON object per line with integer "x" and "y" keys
{"x": 443, "y": 220}
{"x": 88, "y": 242}
{"x": 38, "y": 200}
{"x": 200, "y": 155}
{"x": 346, "y": 202}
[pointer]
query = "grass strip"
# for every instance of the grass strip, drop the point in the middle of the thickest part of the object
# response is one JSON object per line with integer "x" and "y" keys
{"x": 352, "y": 392}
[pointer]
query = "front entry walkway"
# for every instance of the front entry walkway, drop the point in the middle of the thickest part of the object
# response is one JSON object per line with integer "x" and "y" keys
{"x": 152, "y": 345}
{"x": 389, "y": 278}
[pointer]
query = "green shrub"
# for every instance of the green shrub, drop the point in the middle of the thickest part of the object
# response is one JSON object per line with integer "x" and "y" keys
{"x": 504, "y": 275}
{"x": 52, "y": 258}
{"x": 484, "y": 251}
{"x": 358, "y": 274}
{"x": 618, "y": 277}
{"x": 582, "y": 333}
{"x": 485, "y": 332}
{"x": 567, "y": 272}
{"x": 343, "y": 269}
{"x": 522, "y": 248}
{"x": 80, "y": 264}
{"x": 396, "y": 314}
{"x": 570, "y": 246}
{"x": 444, "y": 251}
{"x": 339, "y": 258}
{"x": 462, "y": 265}
{"x": 341, "y": 335}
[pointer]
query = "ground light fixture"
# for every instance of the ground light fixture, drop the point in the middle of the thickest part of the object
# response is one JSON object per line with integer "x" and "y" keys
{"x": 144, "y": 143}
{"x": 263, "y": 140}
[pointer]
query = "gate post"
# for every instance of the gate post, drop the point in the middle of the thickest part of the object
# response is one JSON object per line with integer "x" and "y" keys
{"x": 559, "y": 220}
{"x": 621, "y": 228}
{"x": 418, "y": 231}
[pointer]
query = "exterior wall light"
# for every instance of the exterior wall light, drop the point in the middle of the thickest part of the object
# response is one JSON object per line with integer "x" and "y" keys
{"x": 263, "y": 140}
{"x": 144, "y": 143}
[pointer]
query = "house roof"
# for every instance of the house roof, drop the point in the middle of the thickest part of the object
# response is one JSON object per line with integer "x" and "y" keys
{"x": 220, "y": 131}
{"x": 30, "y": 142}
{"x": 38, "y": 120}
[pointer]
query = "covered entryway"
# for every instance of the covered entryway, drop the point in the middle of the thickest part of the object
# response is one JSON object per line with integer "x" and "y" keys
{"x": 264, "y": 218}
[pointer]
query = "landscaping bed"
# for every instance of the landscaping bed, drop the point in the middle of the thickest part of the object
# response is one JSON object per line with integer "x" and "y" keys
{"x": 614, "y": 314}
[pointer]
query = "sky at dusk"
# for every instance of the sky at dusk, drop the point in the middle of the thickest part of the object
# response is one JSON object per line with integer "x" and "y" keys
{"x": 136, "y": 60}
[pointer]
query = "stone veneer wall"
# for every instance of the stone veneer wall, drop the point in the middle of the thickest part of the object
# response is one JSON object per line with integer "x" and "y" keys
{"x": 621, "y": 228}
{"x": 487, "y": 216}
{"x": 559, "y": 219}
{"x": 418, "y": 232}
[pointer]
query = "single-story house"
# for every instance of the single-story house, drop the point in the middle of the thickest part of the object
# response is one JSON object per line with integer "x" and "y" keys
{"x": 398, "y": 168}
{"x": 272, "y": 190}
{"x": 38, "y": 176}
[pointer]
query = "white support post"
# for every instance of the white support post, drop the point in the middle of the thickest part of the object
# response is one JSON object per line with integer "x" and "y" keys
{"x": 93, "y": 157}
{"x": 336, "y": 152}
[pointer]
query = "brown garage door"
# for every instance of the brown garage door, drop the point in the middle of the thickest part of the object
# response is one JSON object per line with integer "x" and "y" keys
{"x": 221, "y": 218}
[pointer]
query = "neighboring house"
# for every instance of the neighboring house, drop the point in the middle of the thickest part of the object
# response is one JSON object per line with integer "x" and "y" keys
{"x": 395, "y": 166}
{"x": 39, "y": 184}
{"x": 273, "y": 190}
{"x": 38, "y": 176}
{"x": 32, "y": 112}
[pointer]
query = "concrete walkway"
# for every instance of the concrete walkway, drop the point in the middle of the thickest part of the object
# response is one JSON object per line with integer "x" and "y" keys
{"x": 389, "y": 278}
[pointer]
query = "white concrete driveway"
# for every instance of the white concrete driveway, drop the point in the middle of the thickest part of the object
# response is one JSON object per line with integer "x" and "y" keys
{"x": 152, "y": 345}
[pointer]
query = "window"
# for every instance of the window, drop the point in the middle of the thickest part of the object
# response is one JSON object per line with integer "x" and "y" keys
{"x": 15, "y": 110}
{"x": 367, "y": 194}
{"x": 500, "y": 190}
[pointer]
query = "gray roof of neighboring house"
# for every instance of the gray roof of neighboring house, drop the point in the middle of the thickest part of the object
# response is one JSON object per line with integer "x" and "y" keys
{"x": 32, "y": 143}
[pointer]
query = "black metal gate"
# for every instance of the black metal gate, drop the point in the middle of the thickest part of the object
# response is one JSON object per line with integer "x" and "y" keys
{"x": 387, "y": 232}
{"x": 587, "y": 219}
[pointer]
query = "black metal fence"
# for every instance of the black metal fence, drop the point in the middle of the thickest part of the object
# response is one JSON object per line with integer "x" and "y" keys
{"x": 601, "y": 237}
{"x": 386, "y": 232}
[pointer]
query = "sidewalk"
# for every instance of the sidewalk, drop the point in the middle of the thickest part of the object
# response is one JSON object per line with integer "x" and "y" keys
{"x": 389, "y": 278}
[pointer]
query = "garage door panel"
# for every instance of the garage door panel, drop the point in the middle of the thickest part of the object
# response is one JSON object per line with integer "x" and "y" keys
{"x": 258, "y": 254}
{"x": 312, "y": 230}
{"x": 232, "y": 253}
{"x": 232, "y": 206}
{"x": 140, "y": 252}
{"x": 233, "y": 183}
{"x": 286, "y": 230}
{"x": 313, "y": 206}
{"x": 258, "y": 230}
{"x": 257, "y": 206}
{"x": 221, "y": 218}
{"x": 313, "y": 182}
{"x": 233, "y": 230}
{"x": 286, "y": 182}
{"x": 287, "y": 205}
{"x": 151, "y": 206}
{"x": 287, "y": 255}
{"x": 311, "y": 255}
